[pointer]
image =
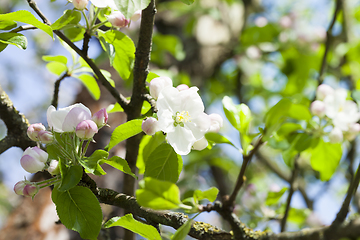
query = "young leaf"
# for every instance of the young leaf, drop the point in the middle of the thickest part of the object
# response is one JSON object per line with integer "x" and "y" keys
{"x": 26, "y": 17}
{"x": 183, "y": 231}
{"x": 164, "y": 164}
{"x": 124, "y": 51}
{"x": 188, "y": 2}
{"x": 114, "y": 108}
{"x": 128, "y": 222}
{"x": 70, "y": 176}
{"x": 79, "y": 210}
{"x": 120, "y": 164}
{"x": 92, "y": 163}
{"x": 158, "y": 194}
{"x": 129, "y": 7}
{"x": 7, "y": 25}
{"x": 325, "y": 158}
{"x": 124, "y": 131}
{"x": 15, "y": 39}
{"x": 274, "y": 197}
{"x": 91, "y": 85}
{"x": 209, "y": 194}
{"x": 59, "y": 58}
{"x": 218, "y": 138}
{"x": 69, "y": 17}
{"x": 56, "y": 68}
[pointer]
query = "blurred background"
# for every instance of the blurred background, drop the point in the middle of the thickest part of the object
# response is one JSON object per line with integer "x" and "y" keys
{"x": 255, "y": 51}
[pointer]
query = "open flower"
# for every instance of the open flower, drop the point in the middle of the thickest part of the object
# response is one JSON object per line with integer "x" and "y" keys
{"x": 66, "y": 119}
{"x": 181, "y": 116}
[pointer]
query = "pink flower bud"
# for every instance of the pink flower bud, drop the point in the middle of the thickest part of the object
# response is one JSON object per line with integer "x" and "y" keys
{"x": 74, "y": 117}
{"x": 323, "y": 90}
{"x": 80, "y": 4}
{"x": 46, "y": 137}
{"x": 118, "y": 20}
{"x": 33, "y": 159}
{"x": 30, "y": 190}
{"x": 317, "y": 108}
{"x": 86, "y": 129}
{"x": 182, "y": 87}
{"x": 136, "y": 16}
{"x": 200, "y": 144}
{"x": 100, "y": 118}
{"x": 33, "y": 131}
{"x": 19, "y": 187}
{"x": 158, "y": 84}
{"x": 150, "y": 126}
{"x": 53, "y": 168}
{"x": 336, "y": 135}
{"x": 216, "y": 122}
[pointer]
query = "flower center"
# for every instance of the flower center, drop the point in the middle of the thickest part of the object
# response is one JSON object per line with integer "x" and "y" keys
{"x": 181, "y": 118}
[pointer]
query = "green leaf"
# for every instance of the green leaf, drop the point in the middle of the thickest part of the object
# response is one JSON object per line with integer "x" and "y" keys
{"x": 114, "y": 108}
{"x": 69, "y": 17}
{"x": 91, "y": 85}
{"x": 325, "y": 158}
{"x": 79, "y": 210}
{"x": 274, "y": 197}
{"x": 15, "y": 39}
{"x": 188, "y": 2}
{"x": 158, "y": 194}
{"x": 128, "y": 222}
{"x": 74, "y": 32}
{"x": 129, "y": 7}
{"x": 59, "y": 58}
{"x": 165, "y": 44}
{"x": 56, "y": 68}
{"x": 298, "y": 215}
{"x": 70, "y": 176}
{"x": 151, "y": 76}
{"x": 218, "y": 138}
{"x": 7, "y": 25}
{"x": 109, "y": 49}
{"x": 125, "y": 131}
{"x": 183, "y": 231}
{"x": 120, "y": 164}
{"x": 277, "y": 113}
{"x": 26, "y": 17}
{"x": 124, "y": 51}
{"x": 164, "y": 164}
{"x": 92, "y": 163}
{"x": 209, "y": 194}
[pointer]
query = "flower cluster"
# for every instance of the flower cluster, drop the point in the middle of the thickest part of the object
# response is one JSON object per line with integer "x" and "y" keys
{"x": 75, "y": 125}
{"x": 180, "y": 115}
{"x": 342, "y": 113}
{"x": 116, "y": 18}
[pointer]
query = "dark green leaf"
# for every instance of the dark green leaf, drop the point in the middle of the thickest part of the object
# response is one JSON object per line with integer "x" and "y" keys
{"x": 128, "y": 222}
{"x": 15, "y": 39}
{"x": 164, "y": 164}
{"x": 79, "y": 210}
{"x": 124, "y": 131}
{"x": 120, "y": 164}
{"x": 70, "y": 176}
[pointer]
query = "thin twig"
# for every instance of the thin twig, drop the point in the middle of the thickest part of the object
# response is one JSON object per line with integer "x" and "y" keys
{"x": 328, "y": 42}
{"x": 291, "y": 192}
{"x": 23, "y": 28}
{"x": 241, "y": 178}
{"x": 57, "y": 88}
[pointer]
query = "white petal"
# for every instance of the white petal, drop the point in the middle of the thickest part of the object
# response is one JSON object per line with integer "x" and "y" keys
{"x": 100, "y": 3}
{"x": 191, "y": 102}
{"x": 73, "y": 118}
{"x": 199, "y": 126}
{"x": 181, "y": 140}
{"x": 165, "y": 121}
{"x": 169, "y": 99}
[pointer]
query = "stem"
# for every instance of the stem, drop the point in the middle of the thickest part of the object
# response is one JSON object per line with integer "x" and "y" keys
{"x": 85, "y": 149}
{"x": 86, "y": 19}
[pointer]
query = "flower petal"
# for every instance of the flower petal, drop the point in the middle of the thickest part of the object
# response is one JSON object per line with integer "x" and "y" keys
{"x": 73, "y": 118}
{"x": 181, "y": 140}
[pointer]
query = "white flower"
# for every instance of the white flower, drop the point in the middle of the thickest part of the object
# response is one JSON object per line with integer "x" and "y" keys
{"x": 323, "y": 90}
{"x": 66, "y": 119}
{"x": 104, "y": 3}
{"x": 158, "y": 84}
{"x": 216, "y": 122}
{"x": 317, "y": 108}
{"x": 342, "y": 112}
{"x": 181, "y": 116}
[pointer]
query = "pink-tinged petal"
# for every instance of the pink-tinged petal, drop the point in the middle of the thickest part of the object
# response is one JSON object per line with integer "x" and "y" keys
{"x": 80, "y": 4}
{"x": 33, "y": 131}
{"x": 117, "y": 19}
{"x": 136, "y": 16}
{"x": 158, "y": 84}
{"x": 100, "y": 117}
{"x": 323, "y": 90}
{"x": 31, "y": 164}
{"x": 73, "y": 118}
{"x": 30, "y": 190}
{"x": 181, "y": 140}
{"x": 182, "y": 87}
{"x": 150, "y": 126}
{"x": 86, "y": 129}
{"x": 19, "y": 187}
{"x": 216, "y": 122}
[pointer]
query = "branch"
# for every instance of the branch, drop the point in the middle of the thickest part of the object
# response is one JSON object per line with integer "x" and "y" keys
{"x": 328, "y": 42}
{"x": 119, "y": 98}
{"x": 16, "y": 125}
{"x": 54, "y": 102}
{"x": 23, "y": 28}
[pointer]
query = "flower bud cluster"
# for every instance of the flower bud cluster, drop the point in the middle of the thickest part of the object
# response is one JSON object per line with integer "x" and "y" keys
{"x": 26, "y": 188}
{"x": 180, "y": 115}
{"x": 343, "y": 114}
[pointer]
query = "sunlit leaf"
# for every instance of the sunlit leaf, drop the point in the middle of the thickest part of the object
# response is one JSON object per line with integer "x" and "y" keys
{"x": 124, "y": 131}
{"x": 91, "y": 85}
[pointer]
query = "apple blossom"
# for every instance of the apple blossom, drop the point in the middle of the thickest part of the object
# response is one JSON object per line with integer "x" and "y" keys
{"x": 104, "y": 3}
{"x": 80, "y": 4}
{"x": 200, "y": 144}
{"x": 59, "y": 121}
{"x": 336, "y": 135}
{"x": 30, "y": 190}
{"x": 150, "y": 126}
{"x": 46, "y": 137}
{"x": 117, "y": 19}
{"x": 182, "y": 87}
{"x": 33, "y": 159}
{"x": 53, "y": 168}
{"x": 158, "y": 84}
{"x": 136, "y": 16}
{"x": 317, "y": 108}
{"x": 181, "y": 116}
{"x": 19, "y": 187}
{"x": 100, "y": 118}
{"x": 33, "y": 131}
{"x": 323, "y": 90}
{"x": 216, "y": 122}
{"x": 86, "y": 129}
